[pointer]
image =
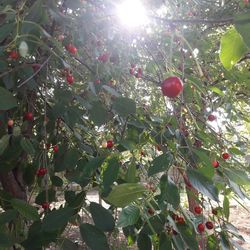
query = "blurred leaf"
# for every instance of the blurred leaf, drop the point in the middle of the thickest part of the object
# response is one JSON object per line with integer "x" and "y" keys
{"x": 165, "y": 242}
{"x": 98, "y": 114}
{"x": 242, "y": 25}
{"x": 160, "y": 164}
{"x": 4, "y": 142}
{"x": 124, "y": 106}
{"x": 27, "y": 146}
{"x": 232, "y": 48}
{"x": 7, "y": 101}
{"x": 102, "y": 217}
{"x": 57, "y": 219}
{"x": 124, "y": 194}
{"x": 93, "y": 237}
{"x": 144, "y": 242}
{"x": 169, "y": 192}
{"x": 8, "y": 216}
{"x": 128, "y": 216}
{"x": 25, "y": 209}
{"x": 226, "y": 210}
{"x": 202, "y": 184}
{"x": 5, "y": 241}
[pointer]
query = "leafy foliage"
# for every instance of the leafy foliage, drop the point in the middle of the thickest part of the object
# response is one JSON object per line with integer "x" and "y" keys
{"x": 81, "y": 108}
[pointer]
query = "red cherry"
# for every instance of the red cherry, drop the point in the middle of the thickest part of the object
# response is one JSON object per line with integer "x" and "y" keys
{"x": 48, "y": 145}
{"x": 14, "y": 55}
{"x": 41, "y": 171}
{"x": 45, "y": 205}
{"x": 10, "y": 123}
{"x": 103, "y": 57}
{"x": 180, "y": 220}
{"x": 55, "y": 148}
{"x": 71, "y": 49}
{"x": 245, "y": 2}
{"x": 97, "y": 81}
{"x": 172, "y": 87}
{"x": 201, "y": 228}
{"x": 211, "y": 118}
{"x": 139, "y": 71}
{"x": 131, "y": 71}
{"x": 70, "y": 79}
{"x": 28, "y": 116}
{"x": 137, "y": 75}
{"x": 132, "y": 65}
{"x": 198, "y": 210}
{"x": 142, "y": 153}
{"x": 225, "y": 156}
{"x": 209, "y": 225}
{"x": 151, "y": 211}
{"x": 110, "y": 144}
{"x": 215, "y": 164}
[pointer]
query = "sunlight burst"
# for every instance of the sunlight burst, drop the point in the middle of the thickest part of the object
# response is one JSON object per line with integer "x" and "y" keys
{"x": 132, "y": 13}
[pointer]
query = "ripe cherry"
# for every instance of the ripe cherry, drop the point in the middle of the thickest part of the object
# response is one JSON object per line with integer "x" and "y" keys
{"x": 198, "y": 209}
{"x": 70, "y": 79}
{"x": 174, "y": 232}
{"x": 71, "y": 48}
{"x": 131, "y": 71}
{"x": 55, "y": 148}
{"x": 201, "y": 228}
{"x": 172, "y": 87}
{"x": 45, "y": 205}
{"x": 10, "y": 123}
{"x": 48, "y": 145}
{"x": 209, "y": 225}
{"x": 110, "y": 144}
{"x": 14, "y": 55}
{"x": 180, "y": 220}
{"x": 151, "y": 211}
{"x": 41, "y": 171}
{"x": 103, "y": 57}
{"x": 215, "y": 164}
{"x": 28, "y": 116}
{"x": 211, "y": 118}
{"x": 97, "y": 81}
{"x": 225, "y": 156}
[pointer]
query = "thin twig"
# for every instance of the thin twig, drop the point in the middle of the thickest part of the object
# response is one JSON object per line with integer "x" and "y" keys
{"x": 32, "y": 76}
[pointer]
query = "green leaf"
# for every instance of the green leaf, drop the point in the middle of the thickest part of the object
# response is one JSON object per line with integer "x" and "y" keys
{"x": 57, "y": 219}
{"x": 7, "y": 216}
{"x": 27, "y": 146}
{"x": 5, "y": 30}
{"x": 98, "y": 114}
{"x": 25, "y": 209}
{"x": 216, "y": 90}
{"x": 128, "y": 216}
{"x": 124, "y": 194}
{"x": 232, "y": 48}
{"x": 93, "y": 237}
{"x": 7, "y": 101}
{"x": 4, "y": 142}
{"x": 156, "y": 222}
{"x": 66, "y": 244}
{"x": 242, "y": 25}
{"x": 202, "y": 184}
{"x": 41, "y": 197}
{"x": 56, "y": 181}
{"x": 5, "y": 241}
{"x": 131, "y": 173}
{"x": 165, "y": 242}
{"x": 189, "y": 236}
{"x": 111, "y": 171}
{"x": 102, "y": 217}
{"x": 124, "y": 106}
{"x": 169, "y": 191}
{"x": 144, "y": 242}
{"x": 238, "y": 176}
{"x": 226, "y": 207}
{"x": 237, "y": 190}
{"x": 160, "y": 164}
